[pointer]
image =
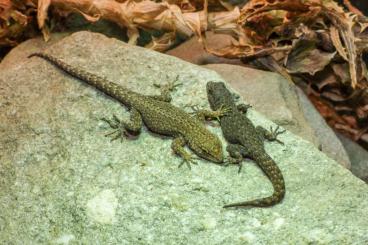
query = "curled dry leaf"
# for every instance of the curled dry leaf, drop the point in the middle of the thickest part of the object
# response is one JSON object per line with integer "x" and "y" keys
{"x": 335, "y": 38}
{"x": 43, "y": 6}
{"x": 162, "y": 43}
{"x": 14, "y": 21}
{"x": 133, "y": 14}
{"x": 352, "y": 8}
{"x": 306, "y": 58}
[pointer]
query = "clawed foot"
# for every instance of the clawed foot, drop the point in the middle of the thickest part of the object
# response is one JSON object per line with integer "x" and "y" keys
{"x": 115, "y": 124}
{"x": 230, "y": 160}
{"x": 196, "y": 111}
{"x": 170, "y": 86}
{"x": 222, "y": 111}
{"x": 188, "y": 160}
{"x": 272, "y": 136}
{"x": 244, "y": 107}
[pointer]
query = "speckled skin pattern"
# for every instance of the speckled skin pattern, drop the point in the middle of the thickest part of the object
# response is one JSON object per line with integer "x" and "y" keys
{"x": 156, "y": 112}
{"x": 245, "y": 140}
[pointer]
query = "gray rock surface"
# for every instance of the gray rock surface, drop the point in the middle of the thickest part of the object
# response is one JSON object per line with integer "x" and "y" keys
{"x": 63, "y": 182}
{"x": 278, "y": 99}
{"x": 192, "y": 50}
{"x": 329, "y": 142}
{"x": 358, "y": 157}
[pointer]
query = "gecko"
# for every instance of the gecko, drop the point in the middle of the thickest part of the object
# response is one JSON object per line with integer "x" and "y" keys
{"x": 246, "y": 140}
{"x": 156, "y": 112}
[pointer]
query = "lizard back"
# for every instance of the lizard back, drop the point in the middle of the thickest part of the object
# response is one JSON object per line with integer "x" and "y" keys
{"x": 240, "y": 131}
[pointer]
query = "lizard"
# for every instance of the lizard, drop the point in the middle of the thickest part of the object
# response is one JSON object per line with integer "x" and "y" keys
{"x": 156, "y": 112}
{"x": 246, "y": 140}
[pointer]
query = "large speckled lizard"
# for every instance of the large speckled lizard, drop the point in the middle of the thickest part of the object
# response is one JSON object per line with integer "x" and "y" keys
{"x": 246, "y": 140}
{"x": 156, "y": 112}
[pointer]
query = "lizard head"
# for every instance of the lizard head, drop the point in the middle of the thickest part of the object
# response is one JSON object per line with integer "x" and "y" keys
{"x": 207, "y": 146}
{"x": 218, "y": 95}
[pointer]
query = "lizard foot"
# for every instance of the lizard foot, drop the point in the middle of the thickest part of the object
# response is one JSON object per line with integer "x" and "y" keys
{"x": 243, "y": 107}
{"x": 222, "y": 111}
{"x": 204, "y": 114}
{"x": 170, "y": 86}
{"x": 115, "y": 124}
{"x": 188, "y": 160}
{"x": 273, "y": 133}
{"x": 231, "y": 160}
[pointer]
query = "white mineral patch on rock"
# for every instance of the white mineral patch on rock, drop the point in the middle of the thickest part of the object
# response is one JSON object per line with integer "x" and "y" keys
{"x": 248, "y": 237}
{"x": 65, "y": 239}
{"x": 278, "y": 223}
{"x": 102, "y": 207}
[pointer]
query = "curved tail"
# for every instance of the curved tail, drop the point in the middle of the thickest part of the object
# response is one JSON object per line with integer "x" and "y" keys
{"x": 98, "y": 82}
{"x": 273, "y": 172}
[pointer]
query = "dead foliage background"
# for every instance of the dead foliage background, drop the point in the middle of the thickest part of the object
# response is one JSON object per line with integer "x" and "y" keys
{"x": 315, "y": 43}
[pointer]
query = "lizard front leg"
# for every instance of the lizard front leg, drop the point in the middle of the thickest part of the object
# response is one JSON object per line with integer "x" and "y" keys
{"x": 178, "y": 147}
{"x": 236, "y": 154}
{"x": 243, "y": 108}
{"x": 203, "y": 115}
{"x": 166, "y": 90}
{"x": 271, "y": 134}
{"x": 124, "y": 128}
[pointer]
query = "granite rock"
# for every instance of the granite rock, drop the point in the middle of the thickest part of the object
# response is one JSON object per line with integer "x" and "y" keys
{"x": 192, "y": 50}
{"x": 358, "y": 157}
{"x": 63, "y": 182}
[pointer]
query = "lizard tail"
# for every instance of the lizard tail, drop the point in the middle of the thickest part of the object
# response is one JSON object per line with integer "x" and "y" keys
{"x": 273, "y": 172}
{"x": 98, "y": 82}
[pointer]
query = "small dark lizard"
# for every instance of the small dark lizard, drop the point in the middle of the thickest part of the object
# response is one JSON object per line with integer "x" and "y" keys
{"x": 246, "y": 140}
{"x": 156, "y": 112}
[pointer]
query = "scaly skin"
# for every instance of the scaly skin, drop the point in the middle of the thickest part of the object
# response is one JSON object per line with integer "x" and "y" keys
{"x": 246, "y": 141}
{"x": 157, "y": 114}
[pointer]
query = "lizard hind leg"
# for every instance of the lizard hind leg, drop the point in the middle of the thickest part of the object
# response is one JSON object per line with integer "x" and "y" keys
{"x": 236, "y": 154}
{"x": 125, "y": 128}
{"x": 166, "y": 90}
{"x": 270, "y": 135}
{"x": 203, "y": 114}
{"x": 178, "y": 147}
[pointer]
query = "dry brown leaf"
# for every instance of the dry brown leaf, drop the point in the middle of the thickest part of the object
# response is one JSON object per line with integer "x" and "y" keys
{"x": 224, "y": 22}
{"x": 90, "y": 18}
{"x": 342, "y": 71}
{"x": 343, "y": 109}
{"x": 333, "y": 96}
{"x": 19, "y": 17}
{"x": 13, "y": 22}
{"x": 327, "y": 79}
{"x": 256, "y": 7}
{"x": 43, "y": 6}
{"x": 351, "y": 8}
{"x": 335, "y": 38}
{"x": 306, "y": 58}
{"x": 162, "y": 43}
{"x": 131, "y": 15}
{"x": 5, "y": 9}
{"x": 362, "y": 112}
{"x": 273, "y": 65}
{"x": 344, "y": 23}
